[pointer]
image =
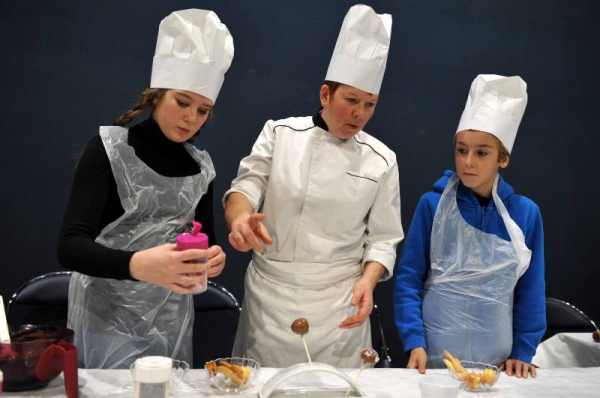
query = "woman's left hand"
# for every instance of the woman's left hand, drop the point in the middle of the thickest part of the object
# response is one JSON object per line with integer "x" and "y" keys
{"x": 216, "y": 261}
{"x": 519, "y": 368}
{"x": 362, "y": 296}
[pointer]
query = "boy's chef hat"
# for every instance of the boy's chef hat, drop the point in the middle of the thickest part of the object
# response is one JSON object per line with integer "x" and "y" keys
{"x": 495, "y": 105}
{"x": 193, "y": 52}
{"x": 361, "y": 51}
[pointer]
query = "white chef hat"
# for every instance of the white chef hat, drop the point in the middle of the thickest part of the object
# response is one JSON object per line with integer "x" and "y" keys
{"x": 495, "y": 105}
{"x": 193, "y": 52}
{"x": 361, "y": 51}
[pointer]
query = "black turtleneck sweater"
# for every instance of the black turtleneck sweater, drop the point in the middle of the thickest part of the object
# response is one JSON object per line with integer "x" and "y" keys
{"x": 94, "y": 200}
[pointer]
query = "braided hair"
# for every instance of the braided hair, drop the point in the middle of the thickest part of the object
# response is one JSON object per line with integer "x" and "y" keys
{"x": 149, "y": 99}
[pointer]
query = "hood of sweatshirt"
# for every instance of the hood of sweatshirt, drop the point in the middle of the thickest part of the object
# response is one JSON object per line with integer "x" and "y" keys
{"x": 466, "y": 196}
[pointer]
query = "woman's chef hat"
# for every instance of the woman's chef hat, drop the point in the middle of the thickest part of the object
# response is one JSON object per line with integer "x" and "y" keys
{"x": 495, "y": 105}
{"x": 361, "y": 51}
{"x": 193, "y": 52}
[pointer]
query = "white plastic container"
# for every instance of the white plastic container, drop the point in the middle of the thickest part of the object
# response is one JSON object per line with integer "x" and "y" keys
{"x": 152, "y": 375}
{"x": 438, "y": 387}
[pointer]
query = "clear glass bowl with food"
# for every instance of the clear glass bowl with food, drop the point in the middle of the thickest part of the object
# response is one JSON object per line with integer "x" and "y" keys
{"x": 231, "y": 374}
{"x": 477, "y": 376}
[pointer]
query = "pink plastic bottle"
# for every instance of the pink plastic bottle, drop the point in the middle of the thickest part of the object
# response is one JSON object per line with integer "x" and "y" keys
{"x": 195, "y": 240}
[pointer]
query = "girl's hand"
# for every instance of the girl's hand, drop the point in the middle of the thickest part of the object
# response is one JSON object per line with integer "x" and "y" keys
{"x": 216, "y": 261}
{"x": 165, "y": 266}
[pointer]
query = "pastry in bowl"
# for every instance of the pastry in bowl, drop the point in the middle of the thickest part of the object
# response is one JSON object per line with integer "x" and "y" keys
{"x": 475, "y": 376}
{"x": 231, "y": 374}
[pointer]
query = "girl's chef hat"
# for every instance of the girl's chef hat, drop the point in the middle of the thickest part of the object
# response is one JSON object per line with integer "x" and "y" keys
{"x": 495, "y": 105}
{"x": 193, "y": 52}
{"x": 361, "y": 51}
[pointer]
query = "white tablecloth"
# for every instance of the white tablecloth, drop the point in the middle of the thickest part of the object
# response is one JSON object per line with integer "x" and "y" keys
{"x": 377, "y": 383}
{"x": 566, "y": 350}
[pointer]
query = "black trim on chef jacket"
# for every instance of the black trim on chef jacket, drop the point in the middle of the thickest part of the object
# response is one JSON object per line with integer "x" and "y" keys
{"x": 364, "y": 143}
{"x": 319, "y": 122}
{"x": 94, "y": 202}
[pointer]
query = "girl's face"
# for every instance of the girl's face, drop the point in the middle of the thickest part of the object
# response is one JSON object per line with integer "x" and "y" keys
{"x": 180, "y": 114}
{"x": 348, "y": 110}
{"x": 476, "y": 157}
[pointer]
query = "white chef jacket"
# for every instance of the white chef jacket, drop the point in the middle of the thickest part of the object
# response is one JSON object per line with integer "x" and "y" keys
{"x": 331, "y": 205}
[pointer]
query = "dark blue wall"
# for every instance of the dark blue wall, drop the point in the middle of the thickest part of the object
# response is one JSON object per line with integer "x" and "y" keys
{"x": 69, "y": 66}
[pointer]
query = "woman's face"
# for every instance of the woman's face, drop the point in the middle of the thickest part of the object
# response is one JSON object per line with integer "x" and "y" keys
{"x": 348, "y": 110}
{"x": 180, "y": 114}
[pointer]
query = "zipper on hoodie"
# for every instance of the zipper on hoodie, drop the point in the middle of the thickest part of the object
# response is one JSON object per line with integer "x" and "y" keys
{"x": 483, "y": 218}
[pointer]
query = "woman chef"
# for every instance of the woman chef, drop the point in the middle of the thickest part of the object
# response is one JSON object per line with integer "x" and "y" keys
{"x": 134, "y": 190}
{"x": 330, "y": 203}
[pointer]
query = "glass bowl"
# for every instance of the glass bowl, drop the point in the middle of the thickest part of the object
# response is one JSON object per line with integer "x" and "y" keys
{"x": 231, "y": 374}
{"x": 479, "y": 377}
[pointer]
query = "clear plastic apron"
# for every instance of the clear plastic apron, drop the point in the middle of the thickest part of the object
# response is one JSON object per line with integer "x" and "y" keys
{"x": 468, "y": 296}
{"x": 115, "y": 322}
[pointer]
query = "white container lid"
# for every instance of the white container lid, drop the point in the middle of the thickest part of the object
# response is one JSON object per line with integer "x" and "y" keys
{"x": 442, "y": 386}
{"x": 152, "y": 369}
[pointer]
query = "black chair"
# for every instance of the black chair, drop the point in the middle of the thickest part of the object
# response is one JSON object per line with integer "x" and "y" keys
{"x": 43, "y": 300}
{"x": 563, "y": 317}
{"x": 215, "y": 324}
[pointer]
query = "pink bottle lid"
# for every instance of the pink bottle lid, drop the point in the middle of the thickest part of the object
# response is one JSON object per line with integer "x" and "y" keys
{"x": 195, "y": 240}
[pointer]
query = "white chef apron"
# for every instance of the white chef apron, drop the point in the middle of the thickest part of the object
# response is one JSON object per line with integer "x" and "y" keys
{"x": 277, "y": 293}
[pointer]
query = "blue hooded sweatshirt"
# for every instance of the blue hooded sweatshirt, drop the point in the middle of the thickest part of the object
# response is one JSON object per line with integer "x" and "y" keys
{"x": 529, "y": 307}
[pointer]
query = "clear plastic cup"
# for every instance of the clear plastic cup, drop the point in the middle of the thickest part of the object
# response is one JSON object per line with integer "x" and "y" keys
{"x": 201, "y": 286}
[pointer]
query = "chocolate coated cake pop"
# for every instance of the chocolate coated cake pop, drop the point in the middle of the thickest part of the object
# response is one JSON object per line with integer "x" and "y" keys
{"x": 369, "y": 355}
{"x": 300, "y": 326}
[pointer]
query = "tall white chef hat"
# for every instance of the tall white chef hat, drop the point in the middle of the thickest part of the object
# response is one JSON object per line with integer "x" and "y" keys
{"x": 495, "y": 105}
{"x": 361, "y": 51}
{"x": 193, "y": 52}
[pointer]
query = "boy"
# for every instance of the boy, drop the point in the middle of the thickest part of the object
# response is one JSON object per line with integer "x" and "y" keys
{"x": 471, "y": 276}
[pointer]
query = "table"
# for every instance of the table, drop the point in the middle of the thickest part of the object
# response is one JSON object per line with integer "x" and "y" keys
{"x": 378, "y": 383}
{"x": 566, "y": 350}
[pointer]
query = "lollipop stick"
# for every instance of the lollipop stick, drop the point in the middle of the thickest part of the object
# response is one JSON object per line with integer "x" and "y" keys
{"x": 358, "y": 374}
{"x": 306, "y": 349}
{"x": 356, "y": 378}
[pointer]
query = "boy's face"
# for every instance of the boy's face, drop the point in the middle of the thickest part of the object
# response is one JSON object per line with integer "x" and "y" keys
{"x": 476, "y": 157}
